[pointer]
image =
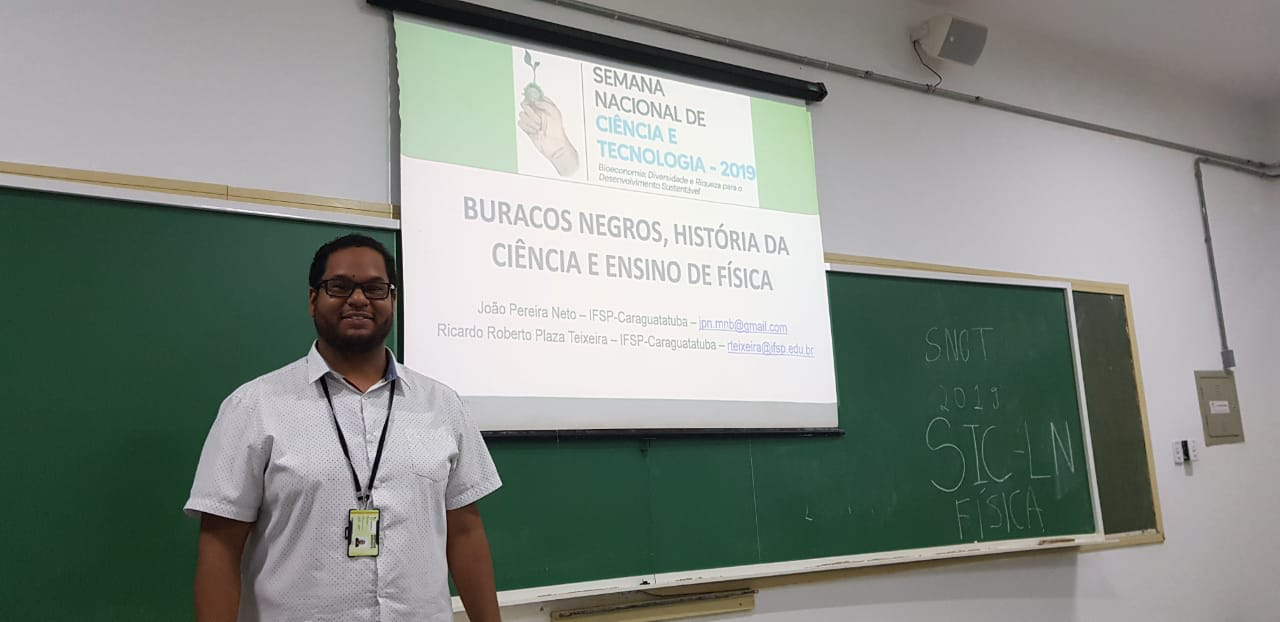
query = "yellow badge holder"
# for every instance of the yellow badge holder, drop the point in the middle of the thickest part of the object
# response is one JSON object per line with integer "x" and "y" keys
{"x": 362, "y": 533}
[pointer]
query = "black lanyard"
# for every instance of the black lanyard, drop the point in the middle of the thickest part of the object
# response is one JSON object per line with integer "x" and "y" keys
{"x": 362, "y": 494}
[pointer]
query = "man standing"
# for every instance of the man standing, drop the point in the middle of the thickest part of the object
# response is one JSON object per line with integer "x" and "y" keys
{"x": 353, "y": 479}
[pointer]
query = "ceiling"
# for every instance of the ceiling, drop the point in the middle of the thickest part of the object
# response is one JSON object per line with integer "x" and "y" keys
{"x": 1232, "y": 45}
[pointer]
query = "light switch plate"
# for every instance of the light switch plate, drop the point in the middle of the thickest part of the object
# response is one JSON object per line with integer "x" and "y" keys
{"x": 1191, "y": 453}
{"x": 1219, "y": 408}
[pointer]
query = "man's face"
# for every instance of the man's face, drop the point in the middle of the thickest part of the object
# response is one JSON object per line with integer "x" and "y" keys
{"x": 354, "y": 323}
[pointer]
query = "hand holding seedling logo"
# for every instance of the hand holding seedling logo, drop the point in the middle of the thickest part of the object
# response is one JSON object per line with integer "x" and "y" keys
{"x": 542, "y": 123}
{"x": 532, "y": 92}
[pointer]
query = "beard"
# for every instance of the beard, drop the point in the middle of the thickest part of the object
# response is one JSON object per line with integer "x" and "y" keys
{"x": 355, "y": 344}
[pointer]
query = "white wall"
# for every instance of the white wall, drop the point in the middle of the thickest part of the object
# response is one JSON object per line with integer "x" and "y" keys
{"x": 284, "y": 95}
{"x": 293, "y": 96}
{"x": 1272, "y": 112}
{"x": 1015, "y": 67}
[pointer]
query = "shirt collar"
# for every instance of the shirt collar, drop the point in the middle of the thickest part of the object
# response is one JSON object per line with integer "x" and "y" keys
{"x": 317, "y": 367}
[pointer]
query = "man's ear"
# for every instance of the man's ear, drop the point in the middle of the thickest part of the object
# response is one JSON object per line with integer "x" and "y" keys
{"x": 311, "y": 302}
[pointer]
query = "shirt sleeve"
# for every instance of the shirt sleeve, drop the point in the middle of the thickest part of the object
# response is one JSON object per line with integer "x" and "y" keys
{"x": 473, "y": 475}
{"x": 229, "y": 476}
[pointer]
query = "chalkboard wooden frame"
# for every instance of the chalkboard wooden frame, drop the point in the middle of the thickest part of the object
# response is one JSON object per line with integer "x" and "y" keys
{"x": 1111, "y": 540}
{"x": 825, "y": 569}
{"x": 1147, "y": 536}
{"x": 793, "y": 576}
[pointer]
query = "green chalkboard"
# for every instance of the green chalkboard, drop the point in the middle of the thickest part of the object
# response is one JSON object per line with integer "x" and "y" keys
{"x": 1125, "y": 489}
{"x": 568, "y": 511}
{"x": 960, "y": 405}
{"x": 132, "y": 322}
{"x": 125, "y": 327}
{"x": 926, "y": 372}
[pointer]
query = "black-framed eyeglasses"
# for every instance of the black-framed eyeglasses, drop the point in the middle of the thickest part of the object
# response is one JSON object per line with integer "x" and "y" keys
{"x": 342, "y": 288}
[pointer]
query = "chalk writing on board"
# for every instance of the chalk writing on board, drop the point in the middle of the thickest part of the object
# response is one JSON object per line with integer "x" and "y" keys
{"x": 960, "y": 398}
{"x": 955, "y": 344}
{"x": 991, "y": 459}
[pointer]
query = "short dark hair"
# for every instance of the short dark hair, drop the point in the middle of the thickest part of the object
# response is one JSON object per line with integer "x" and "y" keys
{"x": 351, "y": 240}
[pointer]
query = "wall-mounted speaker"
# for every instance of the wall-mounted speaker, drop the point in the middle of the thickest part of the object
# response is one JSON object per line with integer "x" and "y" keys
{"x": 952, "y": 38}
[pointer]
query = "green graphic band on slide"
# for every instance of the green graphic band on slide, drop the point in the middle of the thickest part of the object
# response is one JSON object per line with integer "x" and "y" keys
{"x": 784, "y": 157}
{"x": 458, "y": 107}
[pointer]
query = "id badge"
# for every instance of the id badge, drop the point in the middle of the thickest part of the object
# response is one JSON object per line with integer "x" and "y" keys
{"x": 362, "y": 533}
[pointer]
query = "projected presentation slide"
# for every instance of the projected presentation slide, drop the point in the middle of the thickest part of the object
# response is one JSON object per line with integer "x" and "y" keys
{"x": 591, "y": 246}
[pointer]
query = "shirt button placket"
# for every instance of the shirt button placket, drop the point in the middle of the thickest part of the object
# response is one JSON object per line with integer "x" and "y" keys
{"x": 370, "y": 439}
